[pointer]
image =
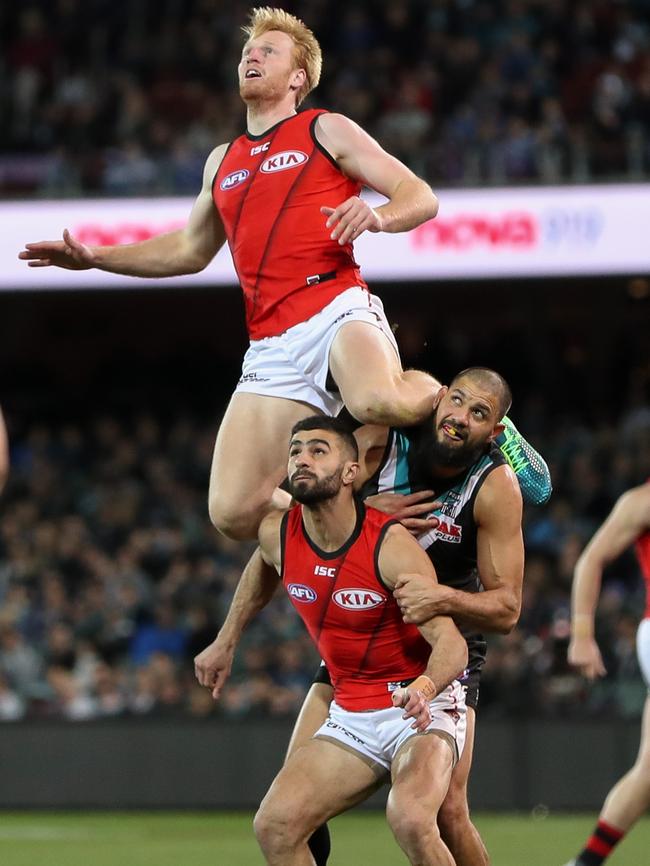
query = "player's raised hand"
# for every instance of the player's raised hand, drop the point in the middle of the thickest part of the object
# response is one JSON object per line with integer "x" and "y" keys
{"x": 212, "y": 666}
{"x": 68, "y": 253}
{"x": 584, "y": 654}
{"x": 413, "y": 510}
{"x": 350, "y": 219}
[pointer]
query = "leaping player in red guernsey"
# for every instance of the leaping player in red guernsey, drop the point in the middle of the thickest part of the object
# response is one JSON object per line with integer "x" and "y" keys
{"x": 285, "y": 195}
{"x": 628, "y": 523}
{"x": 398, "y": 712}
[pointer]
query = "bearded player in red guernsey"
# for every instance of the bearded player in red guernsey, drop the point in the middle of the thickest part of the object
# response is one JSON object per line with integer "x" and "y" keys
{"x": 285, "y": 195}
{"x": 627, "y": 524}
{"x": 398, "y": 712}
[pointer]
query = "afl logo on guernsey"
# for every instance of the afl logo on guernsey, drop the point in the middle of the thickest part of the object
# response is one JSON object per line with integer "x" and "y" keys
{"x": 300, "y": 592}
{"x": 282, "y": 161}
{"x": 358, "y": 599}
{"x": 233, "y": 179}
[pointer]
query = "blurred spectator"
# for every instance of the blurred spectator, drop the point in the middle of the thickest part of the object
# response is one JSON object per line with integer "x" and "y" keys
{"x": 161, "y": 635}
{"x": 111, "y": 582}
{"x": 465, "y": 90}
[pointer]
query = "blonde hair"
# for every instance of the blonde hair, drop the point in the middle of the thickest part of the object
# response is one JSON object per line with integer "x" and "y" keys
{"x": 306, "y": 50}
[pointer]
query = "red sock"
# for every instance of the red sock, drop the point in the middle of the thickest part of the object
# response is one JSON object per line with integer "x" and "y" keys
{"x": 600, "y": 845}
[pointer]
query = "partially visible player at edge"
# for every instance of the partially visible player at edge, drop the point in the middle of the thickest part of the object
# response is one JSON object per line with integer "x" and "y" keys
{"x": 627, "y": 524}
{"x": 4, "y": 452}
{"x": 285, "y": 195}
{"x": 473, "y": 537}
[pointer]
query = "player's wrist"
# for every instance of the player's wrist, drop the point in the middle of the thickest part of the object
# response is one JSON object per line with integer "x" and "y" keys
{"x": 446, "y": 601}
{"x": 227, "y": 638}
{"x": 582, "y": 626}
{"x": 425, "y": 685}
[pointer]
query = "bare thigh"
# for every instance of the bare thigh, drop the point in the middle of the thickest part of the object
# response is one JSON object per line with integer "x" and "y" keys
{"x": 421, "y": 773}
{"x": 250, "y": 460}
{"x": 313, "y": 714}
{"x": 374, "y": 387}
{"x": 319, "y": 780}
{"x": 362, "y": 357}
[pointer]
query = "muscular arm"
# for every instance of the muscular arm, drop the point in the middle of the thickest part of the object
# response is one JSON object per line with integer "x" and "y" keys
{"x": 185, "y": 251}
{"x": 400, "y": 552}
{"x": 629, "y": 519}
{"x": 500, "y": 561}
{"x": 411, "y": 200}
{"x": 255, "y": 589}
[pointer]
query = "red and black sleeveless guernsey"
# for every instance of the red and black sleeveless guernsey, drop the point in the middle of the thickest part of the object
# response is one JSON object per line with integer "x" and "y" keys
{"x": 350, "y": 614}
{"x": 642, "y": 547}
{"x": 269, "y": 190}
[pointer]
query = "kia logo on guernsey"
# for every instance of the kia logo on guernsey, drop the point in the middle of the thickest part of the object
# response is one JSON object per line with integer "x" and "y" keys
{"x": 300, "y": 592}
{"x": 282, "y": 161}
{"x": 358, "y": 599}
{"x": 233, "y": 179}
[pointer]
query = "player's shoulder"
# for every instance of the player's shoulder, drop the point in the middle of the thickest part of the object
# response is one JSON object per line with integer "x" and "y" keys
{"x": 637, "y": 500}
{"x": 215, "y": 158}
{"x": 373, "y": 518}
{"x": 271, "y": 522}
{"x": 500, "y": 491}
{"x": 333, "y": 124}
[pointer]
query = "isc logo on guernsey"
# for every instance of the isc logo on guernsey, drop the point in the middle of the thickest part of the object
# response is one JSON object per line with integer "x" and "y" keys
{"x": 282, "y": 161}
{"x": 358, "y": 599}
{"x": 300, "y": 592}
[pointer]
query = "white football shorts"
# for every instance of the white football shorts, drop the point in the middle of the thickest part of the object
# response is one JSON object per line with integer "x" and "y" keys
{"x": 377, "y": 735}
{"x": 295, "y": 364}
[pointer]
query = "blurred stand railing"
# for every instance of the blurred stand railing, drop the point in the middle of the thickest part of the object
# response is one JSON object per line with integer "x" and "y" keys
{"x": 222, "y": 765}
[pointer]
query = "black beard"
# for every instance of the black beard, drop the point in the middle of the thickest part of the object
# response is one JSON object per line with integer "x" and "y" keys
{"x": 452, "y": 457}
{"x": 320, "y": 491}
{"x": 431, "y": 453}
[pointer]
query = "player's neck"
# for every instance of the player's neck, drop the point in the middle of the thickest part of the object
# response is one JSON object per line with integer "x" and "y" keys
{"x": 261, "y": 116}
{"x": 330, "y": 524}
{"x": 448, "y": 471}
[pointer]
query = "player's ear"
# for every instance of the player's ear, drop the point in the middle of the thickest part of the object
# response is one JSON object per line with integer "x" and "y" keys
{"x": 442, "y": 390}
{"x": 350, "y": 472}
{"x": 498, "y": 428}
{"x": 298, "y": 78}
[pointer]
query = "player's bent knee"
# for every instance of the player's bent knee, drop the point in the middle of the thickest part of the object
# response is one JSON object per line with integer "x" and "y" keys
{"x": 233, "y": 520}
{"x": 414, "y": 828}
{"x": 276, "y": 828}
{"x": 369, "y": 406}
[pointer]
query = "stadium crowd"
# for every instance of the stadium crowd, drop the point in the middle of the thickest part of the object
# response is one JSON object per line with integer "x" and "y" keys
{"x": 128, "y": 99}
{"x": 112, "y": 579}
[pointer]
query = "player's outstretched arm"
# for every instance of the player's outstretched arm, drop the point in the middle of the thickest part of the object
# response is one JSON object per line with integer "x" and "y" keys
{"x": 255, "y": 589}
{"x": 500, "y": 559}
{"x": 629, "y": 518}
{"x": 185, "y": 251}
{"x": 411, "y": 200}
{"x": 448, "y": 647}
